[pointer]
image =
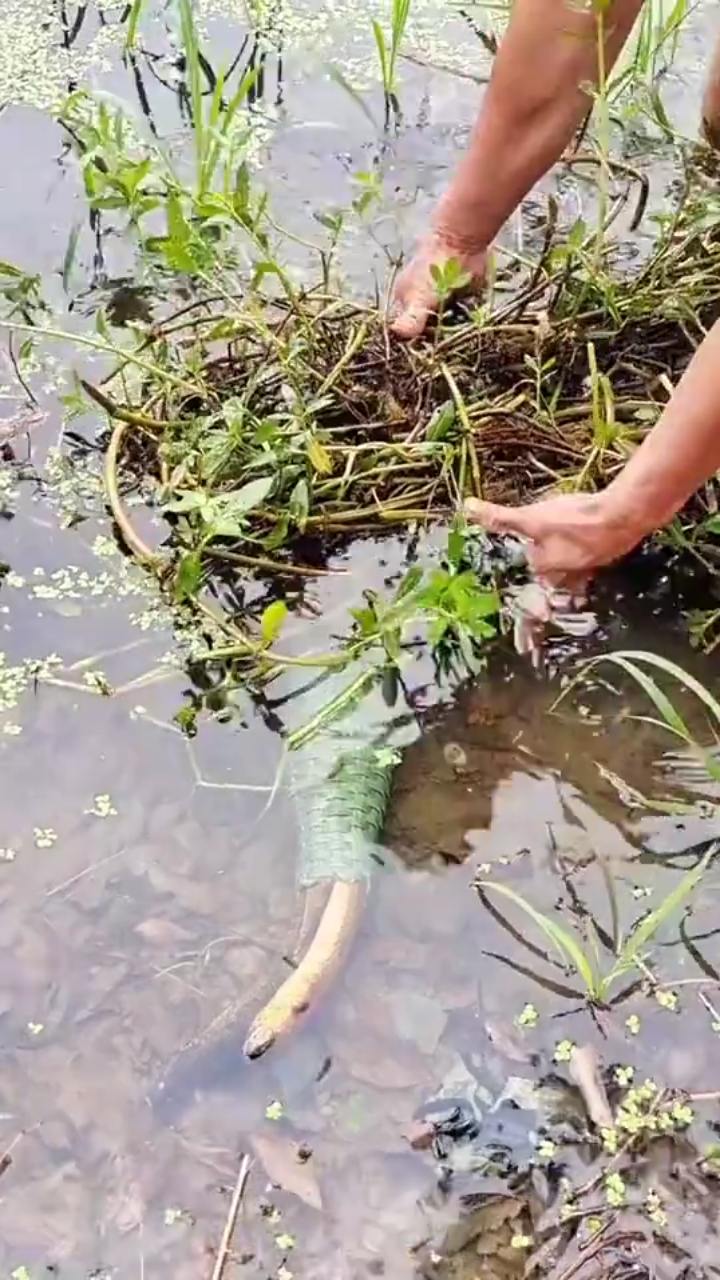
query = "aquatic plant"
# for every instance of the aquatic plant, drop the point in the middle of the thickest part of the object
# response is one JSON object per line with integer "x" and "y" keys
{"x": 638, "y": 665}
{"x": 695, "y": 763}
{"x": 271, "y": 423}
{"x": 389, "y": 52}
{"x": 630, "y": 953}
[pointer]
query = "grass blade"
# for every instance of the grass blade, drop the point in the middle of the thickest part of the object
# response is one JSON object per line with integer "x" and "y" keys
{"x": 133, "y": 21}
{"x": 192, "y": 58}
{"x": 337, "y": 75}
{"x": 382, "y": 55}
{"x": 547, "y": 983}
{"x": 643, "y": 933}
{"x": 567, "y": 946}
{"x": 629, "y": 661}
{"x": 672, "y": 669}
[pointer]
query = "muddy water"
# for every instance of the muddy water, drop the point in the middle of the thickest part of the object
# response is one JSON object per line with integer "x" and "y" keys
{"x": 147, "y": 882}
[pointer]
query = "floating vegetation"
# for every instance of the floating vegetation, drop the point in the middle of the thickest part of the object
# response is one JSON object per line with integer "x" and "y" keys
{"x": 276, "y": 430}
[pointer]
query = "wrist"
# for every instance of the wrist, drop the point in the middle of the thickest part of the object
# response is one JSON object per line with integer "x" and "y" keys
{"x": 457, "y": 226}
{"x": 628, "y": 514}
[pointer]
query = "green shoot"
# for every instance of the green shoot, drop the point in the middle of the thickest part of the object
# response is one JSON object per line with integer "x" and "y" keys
{"x": 631, "y": 955}
{"x": 389, "y": 52}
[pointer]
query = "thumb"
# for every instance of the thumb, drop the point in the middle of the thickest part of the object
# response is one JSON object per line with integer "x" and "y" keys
{"x": 525, "y": 521}
{"x": 412, "y": 320}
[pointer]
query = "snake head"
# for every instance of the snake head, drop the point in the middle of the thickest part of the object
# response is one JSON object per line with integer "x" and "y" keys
{"x": 258, "y": 1040}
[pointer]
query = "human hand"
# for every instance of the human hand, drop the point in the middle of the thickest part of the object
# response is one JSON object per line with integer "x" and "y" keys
{"x": 568, "y": 536}
{"x": 415, "y": 293}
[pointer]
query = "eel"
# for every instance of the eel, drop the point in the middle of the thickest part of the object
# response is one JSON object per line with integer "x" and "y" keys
{"x": 343, "y": 790}
{"x": 341, "y": 782}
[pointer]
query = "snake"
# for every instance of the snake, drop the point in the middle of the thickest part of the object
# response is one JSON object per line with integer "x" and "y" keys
{"x": 340, "y": 781}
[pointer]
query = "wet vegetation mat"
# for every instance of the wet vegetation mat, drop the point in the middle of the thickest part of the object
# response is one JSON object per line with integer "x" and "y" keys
{"x": 276, "y": 430}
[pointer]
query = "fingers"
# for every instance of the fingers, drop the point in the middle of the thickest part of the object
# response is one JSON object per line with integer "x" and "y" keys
{"x": 412, "y": 320}
{"x": 417, "y": 303}
{"x": 525, "y": 521}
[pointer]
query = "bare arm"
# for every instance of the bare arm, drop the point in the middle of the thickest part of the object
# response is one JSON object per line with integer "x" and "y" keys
{"x": 679, "y": 454}
{"x": 536, "y": 99}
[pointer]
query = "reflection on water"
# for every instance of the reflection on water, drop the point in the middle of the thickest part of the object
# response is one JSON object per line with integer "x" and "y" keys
{"x": 146, "y": 883}
{"x": 163, "y": 890}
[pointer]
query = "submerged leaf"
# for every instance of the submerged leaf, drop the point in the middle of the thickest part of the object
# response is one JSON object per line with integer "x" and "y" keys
{"x": 279, "y": 1157}
{"x": 569, "y": 949}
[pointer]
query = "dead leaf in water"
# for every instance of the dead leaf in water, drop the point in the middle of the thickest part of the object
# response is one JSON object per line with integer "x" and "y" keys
{"x": 279, "y": 1157}
{"x": 381, "y": 1063}
{"x": 584, "y": 1071}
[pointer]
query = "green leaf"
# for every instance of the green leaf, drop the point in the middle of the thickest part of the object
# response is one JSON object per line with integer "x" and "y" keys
{"x": 648, "y": 927}
{"x": 69, "y": 256}
{"x": 412, "y": 579}
{"x": 188, "y": 577}
{"x": 136, "y": 9}
{"x": 319, "y": 457}
{"x": 441, "y": 422}
{"x": 455, "y": 547}
{"x": 186, "y": 500}
{"x": 382, "y": 54}
{"x": 299, "y": 503}
{"x": 272, "y": 620}
{"x": 246, "y": 499}
{"x": 567, "y": 946}
{"x": 241, "y": 195}
{"x": 8, "y": 269}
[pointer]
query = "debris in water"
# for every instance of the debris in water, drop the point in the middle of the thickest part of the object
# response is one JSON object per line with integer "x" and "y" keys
{"x": 454, "y": 755}
{"x": 535, "y": 606}
{"x": 584, "y": 1072}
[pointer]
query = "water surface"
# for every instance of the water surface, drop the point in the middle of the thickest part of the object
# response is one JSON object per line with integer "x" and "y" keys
{"x": 146, "y": 880}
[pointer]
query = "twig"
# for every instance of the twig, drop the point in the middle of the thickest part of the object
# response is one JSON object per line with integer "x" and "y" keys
{"x": 224, "y": 1249}
{"x": 86, "y": 871}
{"x": 709, "y": 1006}
{"x": 121, "y": 413}
{"x": 26, "y": 388}
{"x": 583, "y": 1071}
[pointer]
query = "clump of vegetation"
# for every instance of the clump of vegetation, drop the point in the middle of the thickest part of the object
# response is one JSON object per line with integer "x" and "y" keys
{"x": 271, "y": 422}
{"x": 630, "y": 954}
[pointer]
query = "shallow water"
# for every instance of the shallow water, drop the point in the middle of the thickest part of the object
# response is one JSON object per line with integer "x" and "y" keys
{"x": 145, "y": 881}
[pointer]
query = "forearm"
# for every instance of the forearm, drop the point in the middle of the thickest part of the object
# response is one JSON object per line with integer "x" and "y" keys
{"x": 536, "y": 100}
{"x": 679, "y": 454}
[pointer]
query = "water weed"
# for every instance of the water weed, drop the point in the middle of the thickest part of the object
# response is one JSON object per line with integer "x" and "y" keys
{"x": 630, "y": 953}
{"x": 388, "y": 49}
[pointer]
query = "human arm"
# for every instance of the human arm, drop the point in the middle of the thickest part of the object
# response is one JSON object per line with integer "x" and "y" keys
{"x": 536, "y": 100}
{"x": 572, "y": 535}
